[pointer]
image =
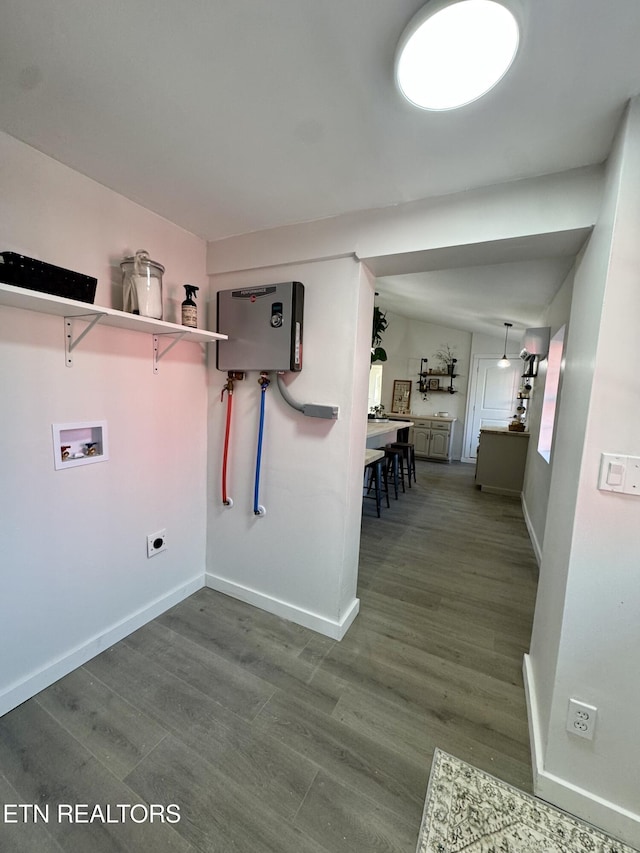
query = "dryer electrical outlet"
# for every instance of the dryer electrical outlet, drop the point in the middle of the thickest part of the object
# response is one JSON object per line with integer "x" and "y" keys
{"x": 264, "y": 325}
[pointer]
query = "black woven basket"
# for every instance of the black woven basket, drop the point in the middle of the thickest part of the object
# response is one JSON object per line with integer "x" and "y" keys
{"x": 46, "y": 278}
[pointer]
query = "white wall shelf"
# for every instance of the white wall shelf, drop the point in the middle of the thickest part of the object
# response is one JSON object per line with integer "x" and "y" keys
{"x": 72, "y": 310}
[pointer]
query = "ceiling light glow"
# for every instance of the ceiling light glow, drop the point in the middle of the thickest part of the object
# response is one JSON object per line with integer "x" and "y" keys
{"x": 454, "y": 52}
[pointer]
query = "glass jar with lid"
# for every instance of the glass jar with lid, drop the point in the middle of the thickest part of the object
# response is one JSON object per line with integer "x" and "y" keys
{"x": 142, "y": 285}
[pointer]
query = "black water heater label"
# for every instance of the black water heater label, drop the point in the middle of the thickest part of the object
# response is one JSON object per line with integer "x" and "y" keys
{"x": 253, "y": 293}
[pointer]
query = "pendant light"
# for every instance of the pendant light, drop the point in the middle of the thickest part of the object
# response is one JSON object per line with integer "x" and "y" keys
{"x": 504, "y": 361}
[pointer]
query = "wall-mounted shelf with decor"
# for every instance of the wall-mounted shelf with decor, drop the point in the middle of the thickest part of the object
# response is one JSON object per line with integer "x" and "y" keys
{"x": 429, "y": 380}
{"x": 423, "y": 376}
{"x": 73, "y": 311}
{"x": 449, "y": 389}
{"x": 522, "y": 401}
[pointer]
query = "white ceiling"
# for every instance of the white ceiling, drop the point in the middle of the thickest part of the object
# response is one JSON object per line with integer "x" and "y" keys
{"x": 475, "y": 299}
{"x": 480, "y": 285}
{"x": 229, "y": 117}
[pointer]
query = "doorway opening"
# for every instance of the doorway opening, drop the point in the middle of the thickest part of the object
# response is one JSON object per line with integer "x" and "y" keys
{"x": 492, "y": 391}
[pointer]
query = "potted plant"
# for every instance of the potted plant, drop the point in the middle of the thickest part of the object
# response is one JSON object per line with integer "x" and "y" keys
{"x": 380, "y": 324}
{"x": 445, "y": 355}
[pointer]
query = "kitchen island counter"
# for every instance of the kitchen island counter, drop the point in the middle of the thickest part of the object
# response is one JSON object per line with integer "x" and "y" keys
{"x": 501, "y": 462}
{"x": 380, "y": 433}
{"x": 413, "y": 417}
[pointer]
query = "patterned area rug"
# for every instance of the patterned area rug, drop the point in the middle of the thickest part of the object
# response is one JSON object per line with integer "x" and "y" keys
{"x": 469, "y": 810}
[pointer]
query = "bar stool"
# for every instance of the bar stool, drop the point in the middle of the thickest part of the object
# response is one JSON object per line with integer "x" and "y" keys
{"x": 394, "y": 465}
{"x": 376, "y": 474}
{"x": 409, "y": 456}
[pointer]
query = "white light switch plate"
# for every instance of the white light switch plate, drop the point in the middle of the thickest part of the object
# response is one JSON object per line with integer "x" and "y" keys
{"x": 607, "y": 481}
{"x": 632, "y": 479}
{"x": 619, "y": 474}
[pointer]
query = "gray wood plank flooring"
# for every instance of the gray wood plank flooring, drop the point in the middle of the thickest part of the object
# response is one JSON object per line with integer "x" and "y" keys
{"x": 273, "y": 739}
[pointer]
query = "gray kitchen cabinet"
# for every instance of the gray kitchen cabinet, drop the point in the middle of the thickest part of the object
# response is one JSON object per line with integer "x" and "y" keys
{"x": 501, "y": 462}
{"x": 432, "y": 437}
{"x": 440, "y": 442}
{"x": 420, "y": 439}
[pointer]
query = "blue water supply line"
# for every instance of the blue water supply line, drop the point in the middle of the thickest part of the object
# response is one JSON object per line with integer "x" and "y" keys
{"x": 264, "y": 384}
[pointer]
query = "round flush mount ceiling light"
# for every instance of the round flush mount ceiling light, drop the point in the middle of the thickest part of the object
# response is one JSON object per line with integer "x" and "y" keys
{"x": 454, "y": 51}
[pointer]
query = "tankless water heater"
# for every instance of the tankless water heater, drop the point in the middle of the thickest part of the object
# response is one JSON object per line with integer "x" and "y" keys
{"x": 264, "y": 325}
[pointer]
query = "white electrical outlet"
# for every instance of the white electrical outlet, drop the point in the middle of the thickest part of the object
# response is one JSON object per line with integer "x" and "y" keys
{"x": 156, "y": 542}
{"x": 581, "y": 719}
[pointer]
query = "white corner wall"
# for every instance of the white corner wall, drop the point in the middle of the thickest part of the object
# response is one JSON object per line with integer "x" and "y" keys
{"x": 75, "y": 575}
{"x": 537, "y": 482}
{"x": 260, "y": 561}
{"x": 300, "y": 560}
{"x": 586, "y": 641}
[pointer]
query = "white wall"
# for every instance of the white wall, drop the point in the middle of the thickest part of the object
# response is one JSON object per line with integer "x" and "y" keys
{"x": 546, "y": 205}
{"x": 489, "y": 345}
{"x": 75, "y": 575}
{"x": 301, "y": 559}
{"x": 406, "y": 341}
{"x": 586, "y": 637}
{"x": 537, "y": 482}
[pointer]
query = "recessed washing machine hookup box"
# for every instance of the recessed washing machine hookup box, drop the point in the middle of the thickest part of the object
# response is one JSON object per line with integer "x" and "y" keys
{"x": 79, "y": 444}
{"x": 264, "y": 325}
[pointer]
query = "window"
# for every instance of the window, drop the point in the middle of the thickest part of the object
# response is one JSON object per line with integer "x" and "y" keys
{"x": 375, "y": 386}
{"x": 552, "y": 383}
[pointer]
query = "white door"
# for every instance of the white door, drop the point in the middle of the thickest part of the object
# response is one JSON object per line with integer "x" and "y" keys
{"x": 493, "y": 397}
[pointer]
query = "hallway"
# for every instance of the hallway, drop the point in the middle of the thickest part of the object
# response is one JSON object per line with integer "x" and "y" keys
{"x": 447, "y": 587}
{"x": 274, "y": 739}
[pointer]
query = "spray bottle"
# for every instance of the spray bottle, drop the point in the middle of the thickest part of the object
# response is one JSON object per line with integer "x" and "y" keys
{"x": 189, "y": 307}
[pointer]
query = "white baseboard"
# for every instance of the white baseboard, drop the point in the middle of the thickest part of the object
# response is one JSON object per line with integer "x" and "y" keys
{"x": 34, "y": 683}
{"x": 533, "y": 718}
{"x": 537, "y": 550}
{"x": 495, "y": 490}
{"x": 621, "y": 823}
{"x": 333, "y": 629}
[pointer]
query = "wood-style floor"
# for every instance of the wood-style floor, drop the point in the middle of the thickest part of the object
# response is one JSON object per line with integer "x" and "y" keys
{"x": 273, "y": 739}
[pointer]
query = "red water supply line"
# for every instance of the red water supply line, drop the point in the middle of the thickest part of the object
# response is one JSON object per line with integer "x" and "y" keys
{"x": 228, "y": 387}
